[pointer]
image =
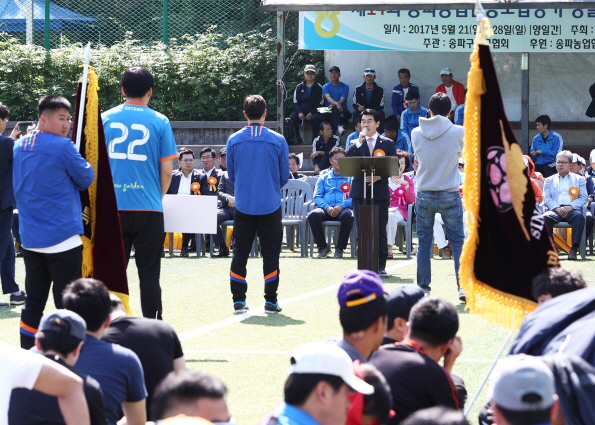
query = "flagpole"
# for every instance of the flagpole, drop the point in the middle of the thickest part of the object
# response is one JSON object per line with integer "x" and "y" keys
{"x": 485, "y": 379}
{"x": 81, "y": 116}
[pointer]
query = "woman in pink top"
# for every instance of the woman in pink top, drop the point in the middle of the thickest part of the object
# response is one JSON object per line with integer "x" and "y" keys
{"x": 402, "y": 194}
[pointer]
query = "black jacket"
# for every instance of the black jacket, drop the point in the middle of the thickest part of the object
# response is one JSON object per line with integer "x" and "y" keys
{"x": 6, "y": 190}
{"x": 226, "y": 188}
{"x": 176, "y": 177}
{"x": 376, "y": 102}
{"x": 304, "y": 103}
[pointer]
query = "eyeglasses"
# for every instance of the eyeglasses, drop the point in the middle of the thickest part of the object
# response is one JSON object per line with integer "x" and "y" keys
{"x": 562, "y": 162}
{"x": 187, "y": 160}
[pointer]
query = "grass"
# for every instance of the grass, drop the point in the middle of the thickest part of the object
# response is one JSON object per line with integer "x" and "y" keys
{"x": 251, "y": 356}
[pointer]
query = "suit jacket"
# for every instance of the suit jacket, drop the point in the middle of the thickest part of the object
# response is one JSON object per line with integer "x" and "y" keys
{"x": 225, "y": 189}
{"x": 176, "y": 177}
{"x": 6, "y": 190}
{"x": 551, "y": 189}
{"x": 381, "y": 186}
{"x": 204, "y": 184}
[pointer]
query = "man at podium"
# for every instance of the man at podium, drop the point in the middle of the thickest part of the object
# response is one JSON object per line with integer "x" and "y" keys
{"x": 370, "y": 143}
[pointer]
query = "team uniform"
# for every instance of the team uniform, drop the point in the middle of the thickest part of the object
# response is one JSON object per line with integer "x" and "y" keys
{"x": 319, "y": 144}
{"x": 549, "y": 147}
{"x": 138, "y": 140}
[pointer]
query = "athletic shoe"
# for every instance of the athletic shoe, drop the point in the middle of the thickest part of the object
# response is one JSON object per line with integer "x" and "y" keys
{"x": 240, "y": 307}
{"x": 3, "y": 304}
{"x": 338, "y": 253}
{"x": 184, "y": 253}
{"x": 18, "y": 299}
{"x": 340, "y": 130}
{"x": 271, "y": 308}
{"x": 323, "y": 252}
{"x": 462, "y": 296}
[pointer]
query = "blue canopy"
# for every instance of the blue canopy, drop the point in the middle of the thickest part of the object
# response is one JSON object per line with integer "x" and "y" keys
{"x": 13, "y": 19}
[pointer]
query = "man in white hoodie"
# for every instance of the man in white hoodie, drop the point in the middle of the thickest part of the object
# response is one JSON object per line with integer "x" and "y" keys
{"x": 438, "y": 144}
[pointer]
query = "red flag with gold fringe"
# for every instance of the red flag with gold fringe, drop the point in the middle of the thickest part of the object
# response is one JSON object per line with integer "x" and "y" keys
{"x": 508, "y": 243}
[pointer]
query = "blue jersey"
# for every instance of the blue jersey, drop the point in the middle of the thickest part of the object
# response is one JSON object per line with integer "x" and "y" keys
{"x": 138, "y": 140}
{"x": 336, "y": 92}
{"x": 460, "y": 114}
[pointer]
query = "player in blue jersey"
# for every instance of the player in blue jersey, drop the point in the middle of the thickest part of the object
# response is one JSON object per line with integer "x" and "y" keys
{"x": 141, "y": 147}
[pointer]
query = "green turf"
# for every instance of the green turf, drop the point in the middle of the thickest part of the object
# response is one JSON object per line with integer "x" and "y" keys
{"x": 251, "y": 356}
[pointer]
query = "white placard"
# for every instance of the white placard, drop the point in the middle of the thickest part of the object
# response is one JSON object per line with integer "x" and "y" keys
{"x": 190, "y": 214}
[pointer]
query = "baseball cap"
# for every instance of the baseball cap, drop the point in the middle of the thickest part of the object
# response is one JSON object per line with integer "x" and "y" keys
{"x": 445, "y": 71}
{"x": 223, "y": 151}
{"x": 369, "y": 71}
{"x": 364, "y": 284}
{"x": 334, "y": 68}
{"x": 327, "y": 359}
{"x": 309, "y": 68}
{"x": 575, "y": 158}
{"x": 71, "y": 323}
{"x": 582, "y": 160}
{"x": 401, "y": 299}
{"x": 592, "y": 156}
{"x": 523, "y": 383}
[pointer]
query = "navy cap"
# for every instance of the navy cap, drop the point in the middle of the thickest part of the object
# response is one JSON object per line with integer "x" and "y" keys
{"x": 401, "y": 300}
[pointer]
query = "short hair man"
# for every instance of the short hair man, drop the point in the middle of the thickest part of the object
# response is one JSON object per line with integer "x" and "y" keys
{"x": 333, "y": 204}
{"x": 400, "y": 101}
{"x": 141, "y": 148}
{"x": 335, "y": 95}
{"x": 398, "y": 306}
{"x": 258, "y": 201}
{"x": 523, "y": 392}
{"x": 60, "y": 338}
{"x": 307, "y": 98}
{"x": 438, "y": 144}
{"x": 137, "y": 334}
{"x": 181, "y": 183}
{"x": 223, "y": 159}
{"x": 369, "y": 95}
{"x": 545, "y": 146}
{"x": 371, "y": 143}
{"x": 564, "y": 194}
{"x": 362, "y": 312}
{"x": 116, "y": 368}
{"x": 453, "y": 89}
{"x": 555, "y": 282}
{"x": 191, "y": 393}
{"x": 49, "y": 174}
{"x": 411, "y": 368}
{"x": 410, "y": 116}
{"x": 398, "y": 136}
{"x": 320, "y": 379}
{"x": 322, "y": 145}
{"x": 225, "y": 206}
{"x": 208, "y": 178}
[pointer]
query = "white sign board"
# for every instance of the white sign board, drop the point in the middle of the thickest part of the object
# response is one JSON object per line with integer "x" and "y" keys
{"x": 190, "y": 214}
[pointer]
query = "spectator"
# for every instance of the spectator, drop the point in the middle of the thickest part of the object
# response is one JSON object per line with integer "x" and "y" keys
{"x": 565, "y": 194}
{"x": 49, "y": 174}
{"x": 411, "y": 367}
{"x": 181, "y": 182}
{"x": 225, "y": 208}
{"x": 437, "y": 144}
{"x": 150, "y": 166}
{"x": 294, "y": 167}
{"x": 575, "y": 165}
{"x": 191, "y": 393}
{"x": 117, "y": 369}
{"x": 258, "y": 204}
{"x": 335, "y": 95}
{"x": 402, "y": 193}
{"x": 459, "y": 117}
{"x": 138, "y": 333}
{"x": 523, "y": 392}
{"x": 352, "y": 138}
{"x": 7, "y": 205}
{"x": 362, "y": 312}
{"x": 399, "y": 137}
{"x": 555, "y": 282}
{"x": 369, "y": 95}
{"x": 545, "y": 146}
{"x": 23, "y": 369}
{"x": 410, "y": 116}
{"x": 532, "y": 173}
{"x": 398, "y": 306}
{"x": 317, "y": 389}
{"x": 537, "y": 191}
{"x": 223, "y": 159}
{"x": 438, "y": 415}
{"x": 374, "y": 408}
{"x": 60, "y": 338}
{"x": 453, "y": 89}
{"x": 400, "y": 101}
{"x": 207, "y": 160}
{"x": 321, "y": 146}
{"x": 307, "y": 98}
{"x": 333, "y": 204}
{"x": 591, "y": 169}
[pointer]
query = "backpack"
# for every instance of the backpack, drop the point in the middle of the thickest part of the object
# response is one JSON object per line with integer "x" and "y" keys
{"x": 290, "y": 136}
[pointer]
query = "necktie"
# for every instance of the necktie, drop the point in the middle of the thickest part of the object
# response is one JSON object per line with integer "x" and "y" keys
{"x": 371, "y": 145}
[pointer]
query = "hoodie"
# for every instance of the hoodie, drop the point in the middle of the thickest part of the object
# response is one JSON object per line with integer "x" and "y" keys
{"x": 438, "y": 144}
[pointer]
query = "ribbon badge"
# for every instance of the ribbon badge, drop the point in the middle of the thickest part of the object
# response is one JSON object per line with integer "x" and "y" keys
{"x": 195, "y": 187}
{"x": 345, "y": 188}
{"x": 212, "y": 184}
{"x": 379, "y": 152}
{"x": 573, "y": 192}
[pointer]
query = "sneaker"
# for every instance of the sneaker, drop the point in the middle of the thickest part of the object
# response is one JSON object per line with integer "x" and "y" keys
{"x": 338, "y": 253}
{"x": 462, "y": 296}
{"x": 3, "y": 304}
{"x": 18, "y": 299}
{"x": 240, "y": 307}
{"x": 184, "y": 253}
{"x": 446, "y": 253}
{"x": 340, "y": 130}
{"x": 271, "y": 308}
{"x": 323, "y": 252}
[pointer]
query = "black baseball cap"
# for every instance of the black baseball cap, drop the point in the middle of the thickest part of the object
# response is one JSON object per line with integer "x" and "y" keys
{"x": 401, "y": 300}
{"x": 334, "y": 68}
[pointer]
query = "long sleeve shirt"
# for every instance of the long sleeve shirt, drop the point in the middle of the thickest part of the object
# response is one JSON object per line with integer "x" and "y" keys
{"x": 328, "y": 191}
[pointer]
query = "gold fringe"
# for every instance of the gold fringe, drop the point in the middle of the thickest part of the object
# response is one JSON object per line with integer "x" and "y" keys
{"x": 125, "y": 301}
{"x": 495, "y": 306}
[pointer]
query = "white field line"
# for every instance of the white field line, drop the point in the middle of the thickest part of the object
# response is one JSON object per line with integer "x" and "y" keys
{"x": 240, "y": 317}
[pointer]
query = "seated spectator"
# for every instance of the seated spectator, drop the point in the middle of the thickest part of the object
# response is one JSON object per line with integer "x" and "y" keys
{"x": 335, "y": 97}
{"x": 399, "y": 303}
{"x": 537, "y": 191}
{"x": 438, "y": 415}
{"x": 362, "y": 313}
{"x": 555, "y": 282}
{"x": 459, "y": 117}
{"x": 400, "y": 101}
{"x": 410, "y": 116}
{"x": 402, "y": 193}
{"x": 307, "y": 98}
{"x": 207, "y": 160}
{"x": 545, "y": 146}
{"x": 373, "y": 408}
{"x": 223, "y": 158}
{"x": 399, "y": 137}
{"x": 322, "y": 145}
{"x": 369, "y": 95}
{"x": 191, "y": 393}
{"x": 411, "y": 367}
{"x": 333, "y": 204}
{"x": 565, "y": 194}
{"x": 576, "y": 165}
{"x": 225, "y": 211}
{"x": 591, "y": 168}
{"x": 60, "y": 338}
{"x": 532, "y": 173}
{"x": 117, "y": 369}
{"x": 353, "y": 137}
{"x": 138, "y": 333}
{"x": 453, "y": 89}
{"x": 294, "y": 167}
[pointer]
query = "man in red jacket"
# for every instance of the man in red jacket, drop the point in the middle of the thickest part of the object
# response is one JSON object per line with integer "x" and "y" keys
{"x": 454, "y": 89}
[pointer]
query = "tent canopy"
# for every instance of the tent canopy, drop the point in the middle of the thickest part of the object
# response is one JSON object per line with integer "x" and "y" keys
{"x": 13, "y": 18}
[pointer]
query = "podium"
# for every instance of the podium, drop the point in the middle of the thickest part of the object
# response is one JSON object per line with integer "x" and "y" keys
{"x": 368, "y": 226}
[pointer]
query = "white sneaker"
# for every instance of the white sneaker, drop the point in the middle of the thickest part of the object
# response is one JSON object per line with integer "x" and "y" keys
{"x": 340, "y": 130}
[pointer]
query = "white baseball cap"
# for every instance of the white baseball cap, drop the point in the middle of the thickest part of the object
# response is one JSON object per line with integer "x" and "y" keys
{"x": 445, "y": 71}
{"x": 592, "y": 156}
{"x": 328, "y": 359}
